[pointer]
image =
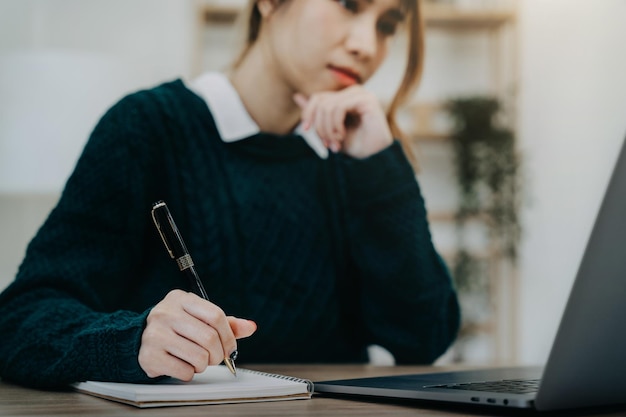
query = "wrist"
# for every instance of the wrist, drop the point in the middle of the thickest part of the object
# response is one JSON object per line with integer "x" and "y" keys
{"x": 368, "y": 147}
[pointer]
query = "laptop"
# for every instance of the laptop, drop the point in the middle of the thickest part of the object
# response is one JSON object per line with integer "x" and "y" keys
{"x": 586, "y": 366}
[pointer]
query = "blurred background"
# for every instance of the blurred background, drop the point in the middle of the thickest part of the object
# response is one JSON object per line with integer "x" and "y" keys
{"x": 516, "y": 127}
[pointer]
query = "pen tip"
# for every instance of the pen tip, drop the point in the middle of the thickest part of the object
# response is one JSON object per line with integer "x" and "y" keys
{"x": 230, "y": 364}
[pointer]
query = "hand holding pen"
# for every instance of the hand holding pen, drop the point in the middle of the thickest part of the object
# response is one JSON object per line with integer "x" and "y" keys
{"x": 185, "y": 332}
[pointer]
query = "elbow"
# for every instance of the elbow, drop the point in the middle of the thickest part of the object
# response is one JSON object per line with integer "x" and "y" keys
{"x": 447, "y": 333}
{"x": 432, "y": 342}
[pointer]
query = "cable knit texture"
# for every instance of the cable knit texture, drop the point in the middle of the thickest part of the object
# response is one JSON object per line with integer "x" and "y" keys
{"x": 327, "y": 256}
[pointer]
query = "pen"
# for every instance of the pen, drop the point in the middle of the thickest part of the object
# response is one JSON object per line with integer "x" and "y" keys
{"x": 177, "y": 250}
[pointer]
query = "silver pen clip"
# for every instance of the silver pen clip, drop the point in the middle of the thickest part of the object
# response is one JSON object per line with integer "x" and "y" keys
{"x": 158, "y": 226}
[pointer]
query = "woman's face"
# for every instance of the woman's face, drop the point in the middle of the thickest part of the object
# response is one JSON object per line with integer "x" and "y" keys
{"x": 322, "y": 45}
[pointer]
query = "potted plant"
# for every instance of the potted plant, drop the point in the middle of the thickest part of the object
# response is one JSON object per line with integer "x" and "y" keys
{"x": 488, "y": 176}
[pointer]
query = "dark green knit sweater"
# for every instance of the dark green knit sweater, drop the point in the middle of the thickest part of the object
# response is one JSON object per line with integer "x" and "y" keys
{"x": 327, "y": 256}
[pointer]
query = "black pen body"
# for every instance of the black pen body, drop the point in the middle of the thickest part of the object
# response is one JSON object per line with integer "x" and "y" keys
{"x": 194, "y": 282}
{"x": 175, "y": 245}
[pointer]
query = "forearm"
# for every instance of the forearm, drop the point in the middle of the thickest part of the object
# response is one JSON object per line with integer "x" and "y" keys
{"x": 57, "y": 319}
{"x": 407, "y": 300}
{"x": 51, "y": 340}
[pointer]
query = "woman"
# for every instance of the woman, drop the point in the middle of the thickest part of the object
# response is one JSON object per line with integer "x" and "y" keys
{"x": 300, "y": 209}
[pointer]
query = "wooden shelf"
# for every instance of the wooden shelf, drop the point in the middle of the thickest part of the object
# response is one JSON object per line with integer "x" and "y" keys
{"x": 419, "y": 136}
{"x": 422, "y": 116}
{"x": 214, "y": 13}
{"x": 451, "y": 17}
{"x": 435, "y": 16}
{"x": 450, "y": 217}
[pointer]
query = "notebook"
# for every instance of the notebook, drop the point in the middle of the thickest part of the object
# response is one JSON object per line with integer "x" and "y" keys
{"x": 586, "y": 365}
{"x": 216, "y": 385}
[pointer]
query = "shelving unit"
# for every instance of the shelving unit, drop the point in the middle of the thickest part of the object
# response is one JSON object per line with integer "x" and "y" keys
{"x": 435, "y": 16}
{"x": 499, "y": 27}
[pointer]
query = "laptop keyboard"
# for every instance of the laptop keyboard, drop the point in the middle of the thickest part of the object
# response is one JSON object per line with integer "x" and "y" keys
{"x": 507, "y": 386}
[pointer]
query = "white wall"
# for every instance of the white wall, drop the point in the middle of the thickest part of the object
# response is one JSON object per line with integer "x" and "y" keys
{"x": 62, "y": 64}
{"x": 153, "y": 38}
{"x": 573, "y": 121}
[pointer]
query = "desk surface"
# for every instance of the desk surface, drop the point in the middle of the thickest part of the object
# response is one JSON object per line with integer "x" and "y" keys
{"x": 19, "y": 401}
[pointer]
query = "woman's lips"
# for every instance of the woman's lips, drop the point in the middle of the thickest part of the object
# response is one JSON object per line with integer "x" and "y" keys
{"x": 344, "y": 76}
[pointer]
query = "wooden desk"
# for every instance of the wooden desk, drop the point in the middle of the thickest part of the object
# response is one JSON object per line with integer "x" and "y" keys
{"x": 19, "y": 401}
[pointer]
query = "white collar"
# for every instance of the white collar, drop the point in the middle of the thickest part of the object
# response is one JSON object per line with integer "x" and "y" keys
{"x": 231, "y": 118}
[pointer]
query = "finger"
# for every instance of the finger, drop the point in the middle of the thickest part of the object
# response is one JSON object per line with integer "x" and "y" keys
{"x": 195, "y": 330}
{"x": 195, "y": 355}
{"x": 155, "y": 361}
{"x": 241, "y": 327}
{"x": 300, "y": 100}
{"x": 323, "y": 110}
{"x": 318, "y": 110}
{"x": 204, "y": 337}
{"x": 175, "y": 367}
{"x": 332, "y": 118}
{"x": 334, "y": 146}
{"x": 329, "y": 115}
{"x": 336, "y": 119}
{"x": 339, "y": 124}
{"x": 214, "y": 316}
{"x": 303, "y": 103}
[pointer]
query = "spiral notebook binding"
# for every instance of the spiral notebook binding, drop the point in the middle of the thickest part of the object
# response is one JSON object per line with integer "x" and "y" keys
{"x": 309, "y": 383}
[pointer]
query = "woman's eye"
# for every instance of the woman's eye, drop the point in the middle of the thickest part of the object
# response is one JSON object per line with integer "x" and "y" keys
{"x": 350, "y": 5}
{"x": 387, "y": 28}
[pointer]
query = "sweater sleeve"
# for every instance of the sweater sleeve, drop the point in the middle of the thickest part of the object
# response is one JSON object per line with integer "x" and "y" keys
{"x": 59, "y": 319}
{"x": 407, "y": 302}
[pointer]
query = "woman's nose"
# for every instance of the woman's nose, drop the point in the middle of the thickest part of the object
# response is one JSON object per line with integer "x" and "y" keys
{"x": 362, "y": 38}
